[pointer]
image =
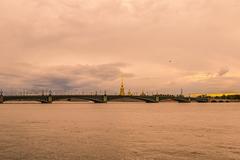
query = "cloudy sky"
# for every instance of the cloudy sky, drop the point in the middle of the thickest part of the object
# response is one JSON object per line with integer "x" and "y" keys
{"x": 157, "y": 45}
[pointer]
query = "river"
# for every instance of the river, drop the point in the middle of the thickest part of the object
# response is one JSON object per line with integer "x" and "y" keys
{"x": 120, "y": 131}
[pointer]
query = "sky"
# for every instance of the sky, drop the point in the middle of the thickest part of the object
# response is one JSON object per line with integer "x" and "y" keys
{"x": 86, "y": 45}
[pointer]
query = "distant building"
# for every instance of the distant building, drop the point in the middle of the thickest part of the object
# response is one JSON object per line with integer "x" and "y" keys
{"x": 194, "y": 95}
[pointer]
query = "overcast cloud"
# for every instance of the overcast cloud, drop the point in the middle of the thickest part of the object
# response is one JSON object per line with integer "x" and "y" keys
{"x": 160, "y": 45}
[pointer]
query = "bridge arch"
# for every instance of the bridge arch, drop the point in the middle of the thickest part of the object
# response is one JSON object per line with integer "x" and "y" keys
{"x": 150, "y": 99}
{"x": 95, "y": 99}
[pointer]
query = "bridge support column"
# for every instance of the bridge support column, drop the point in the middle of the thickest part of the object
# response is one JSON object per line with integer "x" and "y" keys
{"x": 157, "y": 99}
{"x": 49, "y": 99}
{"x": 1, "y": 99}
{"x": 105, "y": 99}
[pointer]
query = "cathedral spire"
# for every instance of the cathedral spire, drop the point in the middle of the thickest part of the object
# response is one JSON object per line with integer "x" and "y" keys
{"x": 122, "y": 89}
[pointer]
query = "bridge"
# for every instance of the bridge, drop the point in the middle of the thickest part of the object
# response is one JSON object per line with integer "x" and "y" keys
{"x": 93, "y": 98}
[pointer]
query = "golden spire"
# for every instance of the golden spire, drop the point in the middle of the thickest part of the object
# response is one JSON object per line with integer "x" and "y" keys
{"x": 122, "y": 90}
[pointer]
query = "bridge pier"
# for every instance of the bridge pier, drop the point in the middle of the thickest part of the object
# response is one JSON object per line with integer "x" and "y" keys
{"x": 153, "y": 99}
{"x": 1, "y": 99}
{"x": 49, "y": 99}
{"x": 105, "y": 99}
{"x": 157, "y": 99}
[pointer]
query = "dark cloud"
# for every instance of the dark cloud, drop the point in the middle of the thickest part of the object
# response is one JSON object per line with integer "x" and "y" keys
{"x": 64, "y": 77}
{"x": 223, "y": 71}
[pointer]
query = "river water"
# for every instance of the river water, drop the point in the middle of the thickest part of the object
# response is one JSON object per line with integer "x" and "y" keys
{"x": 120, "y": 131}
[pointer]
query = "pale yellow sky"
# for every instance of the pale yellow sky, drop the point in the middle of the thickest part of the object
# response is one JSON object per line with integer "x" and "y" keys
{"x": 159, "y": 45}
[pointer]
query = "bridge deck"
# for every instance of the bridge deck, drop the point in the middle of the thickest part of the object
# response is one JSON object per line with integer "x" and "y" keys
{"x": 94, "y": 98}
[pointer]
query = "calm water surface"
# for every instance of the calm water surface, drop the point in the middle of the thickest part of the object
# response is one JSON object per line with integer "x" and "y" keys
{"x": 128, "y": 131}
